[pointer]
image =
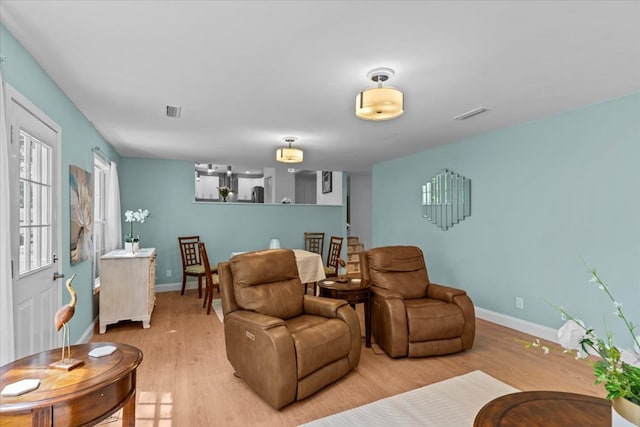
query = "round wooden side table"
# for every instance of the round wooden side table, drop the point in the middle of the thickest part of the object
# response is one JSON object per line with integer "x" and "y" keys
{"x": 353, "y": 291}
{"x": 83, "y": 396}
{"x": 545, "y": 409}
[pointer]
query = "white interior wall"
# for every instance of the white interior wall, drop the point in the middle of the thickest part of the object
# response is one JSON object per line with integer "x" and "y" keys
{"x": 360, "y": 200}
{"x": 335, "y": 196}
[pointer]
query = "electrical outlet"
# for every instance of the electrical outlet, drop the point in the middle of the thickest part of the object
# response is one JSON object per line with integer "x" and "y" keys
{"x": 520, "y": 303}
{"x": 169, "y": 273}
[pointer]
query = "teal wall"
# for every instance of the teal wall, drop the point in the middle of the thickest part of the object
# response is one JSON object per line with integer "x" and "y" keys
{"x": 22, "y": 72}
{"x": 546, "y": 195}
{"x": 166, "y": 188}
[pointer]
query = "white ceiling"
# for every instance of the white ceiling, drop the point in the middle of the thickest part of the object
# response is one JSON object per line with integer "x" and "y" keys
{"x": 249, "y": 73}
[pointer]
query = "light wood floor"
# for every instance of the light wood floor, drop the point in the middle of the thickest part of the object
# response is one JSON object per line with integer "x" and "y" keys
{"x": 186, "y": 380}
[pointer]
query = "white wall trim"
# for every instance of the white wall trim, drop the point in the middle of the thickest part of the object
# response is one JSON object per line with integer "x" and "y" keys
{"x": 168, "y": 287}
{"x": 518, "y": 324}
{"x": 88, "y": 333}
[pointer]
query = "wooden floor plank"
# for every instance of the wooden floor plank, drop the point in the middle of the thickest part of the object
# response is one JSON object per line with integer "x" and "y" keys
{"x": 186, "y": 380}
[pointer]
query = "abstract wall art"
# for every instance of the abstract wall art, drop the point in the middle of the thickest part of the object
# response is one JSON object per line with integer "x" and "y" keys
{"x": 81, "y": 214}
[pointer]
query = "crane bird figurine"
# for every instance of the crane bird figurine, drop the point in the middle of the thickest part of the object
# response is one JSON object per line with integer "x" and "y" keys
{"x": 62, "y": 317}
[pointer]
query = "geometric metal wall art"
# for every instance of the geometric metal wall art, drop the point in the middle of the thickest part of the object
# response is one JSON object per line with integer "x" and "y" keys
{"x": 446, "y": 199}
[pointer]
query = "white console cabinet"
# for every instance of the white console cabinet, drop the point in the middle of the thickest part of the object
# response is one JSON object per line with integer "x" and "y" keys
{"x": 127, "y": 286}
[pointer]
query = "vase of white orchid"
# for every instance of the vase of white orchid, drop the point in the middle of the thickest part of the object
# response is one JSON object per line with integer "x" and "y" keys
{"x": 618, "y": 370}
{"x": 131, "y": 241}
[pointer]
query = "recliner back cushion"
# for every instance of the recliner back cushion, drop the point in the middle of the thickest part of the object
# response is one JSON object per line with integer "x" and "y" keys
{"x": 400, "y": 269}
{"x": 267, "y": 282}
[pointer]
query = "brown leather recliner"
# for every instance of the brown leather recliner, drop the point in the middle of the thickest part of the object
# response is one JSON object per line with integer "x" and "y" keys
{"x": 412, "y": 316}
{"x": 285, "y": 345}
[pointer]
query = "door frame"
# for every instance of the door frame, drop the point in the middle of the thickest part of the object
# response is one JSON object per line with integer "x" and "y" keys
{"x": 11, "y": 96}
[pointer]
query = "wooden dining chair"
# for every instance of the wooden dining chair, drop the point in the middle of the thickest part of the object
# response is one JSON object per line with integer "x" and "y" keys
{"x": 333, "y": 256}
{"x": 211, "y": 278}
{"x": 314, "y": 242}
{"x": 191, "y": 265}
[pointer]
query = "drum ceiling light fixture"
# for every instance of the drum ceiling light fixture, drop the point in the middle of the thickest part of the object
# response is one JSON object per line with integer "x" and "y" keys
{"x": 380, "y": 103}
{"x": 289, "y": 154}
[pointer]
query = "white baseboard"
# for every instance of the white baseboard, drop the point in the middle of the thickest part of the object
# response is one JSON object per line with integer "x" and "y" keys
{"x": 518, "y": 324}
{"x": 168, "y": 287}
{"x": 88, "y": 333}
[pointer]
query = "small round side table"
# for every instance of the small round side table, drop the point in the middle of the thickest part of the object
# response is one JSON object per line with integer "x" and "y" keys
{"x": 81, "y": 397}
{"x": 353, "y": 291}
{"x": 544, "y": 409}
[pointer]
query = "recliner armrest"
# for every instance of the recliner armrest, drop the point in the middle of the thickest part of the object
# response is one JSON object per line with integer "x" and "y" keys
{"x": 462, "y": 300}
{"x": 385, "y": 293}
{"x": 321, "y": 306}
{"x": 258, "y": 320}
{"x": 443, "y": 293}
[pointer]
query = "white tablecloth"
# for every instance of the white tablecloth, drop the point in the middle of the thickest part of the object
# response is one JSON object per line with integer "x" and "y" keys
{"x": 310, "y": 266}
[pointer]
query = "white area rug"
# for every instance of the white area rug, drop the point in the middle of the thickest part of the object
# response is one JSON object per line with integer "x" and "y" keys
{"x": 217, "y": 307}
{"x": 450, "y": 403}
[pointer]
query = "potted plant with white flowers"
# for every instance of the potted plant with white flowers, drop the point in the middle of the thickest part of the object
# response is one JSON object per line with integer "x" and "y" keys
{"x": 131, "y": 241}
{"x": 618, "y": 370}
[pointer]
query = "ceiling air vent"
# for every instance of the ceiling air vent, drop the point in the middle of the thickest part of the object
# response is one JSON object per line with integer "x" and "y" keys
{"x": 173, "y": 112}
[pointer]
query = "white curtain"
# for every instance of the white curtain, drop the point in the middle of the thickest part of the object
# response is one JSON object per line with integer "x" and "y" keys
{"x": 6, "y": 291}
{"x": 113, "y": 229}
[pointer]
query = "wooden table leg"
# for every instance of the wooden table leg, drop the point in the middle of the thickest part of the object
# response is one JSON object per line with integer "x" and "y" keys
{"x": 129, "y": 412}
{"x": 367, "y": 322}
{"x": 129, "y": 408}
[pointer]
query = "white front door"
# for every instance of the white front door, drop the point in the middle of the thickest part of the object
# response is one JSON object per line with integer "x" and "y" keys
{"x": 35, "y": 223}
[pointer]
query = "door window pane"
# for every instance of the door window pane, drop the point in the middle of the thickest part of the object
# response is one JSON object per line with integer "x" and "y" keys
{"x": 23, "y": 158}
{"x": 35, "y": 204}
{"x": 34, "y": 169}
{"x": 23, "y": 251}
{"x": 22, "y": 217}
{"x": 34, "y": 248}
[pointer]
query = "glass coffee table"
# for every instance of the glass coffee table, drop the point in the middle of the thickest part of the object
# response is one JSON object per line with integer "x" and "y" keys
{"x": 354, "y": 291}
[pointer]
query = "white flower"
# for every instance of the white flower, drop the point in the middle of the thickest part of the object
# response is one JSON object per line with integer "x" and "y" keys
{"x": 571, "y": 333}
{"x": 140, "y": 215}
{"x": 136, "y": 216}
